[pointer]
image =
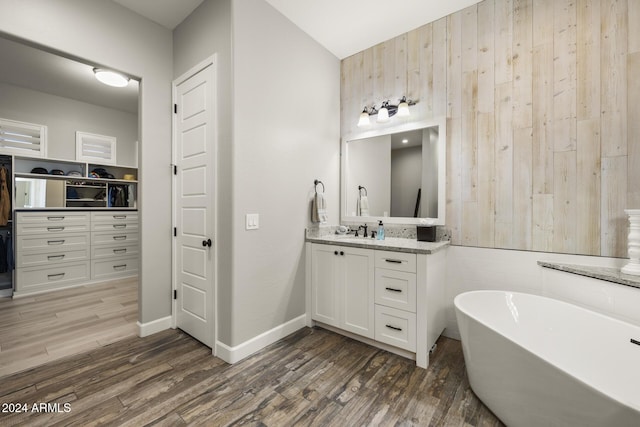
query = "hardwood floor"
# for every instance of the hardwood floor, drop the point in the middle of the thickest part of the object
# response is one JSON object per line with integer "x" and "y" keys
{"x": 312, "y": 377}
{"x": 42, "y": 328}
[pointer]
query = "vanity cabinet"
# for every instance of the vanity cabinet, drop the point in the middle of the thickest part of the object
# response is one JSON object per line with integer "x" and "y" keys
{"x": 390, "y": 299}
{"x": 342, "y": 289}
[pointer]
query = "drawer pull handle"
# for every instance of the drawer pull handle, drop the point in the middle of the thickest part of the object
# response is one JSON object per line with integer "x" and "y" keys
{"x": 54, "y": 257}
{"x": 119, "y": 225}
{"x": 55, "y": 242}
{"x": 119, "y": 251}
{"x": 55, "y": 228}
{"x": 55, "y": 218}
{"x": 394, "y": 289}
{"x": 395, "y": 328}
{"x": 119, "y": 237}
{"x": 119, "y": 217}
{"x": 55, "y": 276}
{"x": 120, "y": 267}
{"x": 394, "y": 261}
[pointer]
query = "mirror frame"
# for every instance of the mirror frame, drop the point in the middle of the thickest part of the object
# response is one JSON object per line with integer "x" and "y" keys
{"x": 441, "y": 123}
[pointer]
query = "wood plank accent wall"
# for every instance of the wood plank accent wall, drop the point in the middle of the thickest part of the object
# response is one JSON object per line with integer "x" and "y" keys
{"x": 542, "y": 99}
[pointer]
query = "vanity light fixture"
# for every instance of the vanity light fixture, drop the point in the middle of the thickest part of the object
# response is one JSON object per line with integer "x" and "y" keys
{"x": 386, "y": 111}
{"x": 111, "y": 78}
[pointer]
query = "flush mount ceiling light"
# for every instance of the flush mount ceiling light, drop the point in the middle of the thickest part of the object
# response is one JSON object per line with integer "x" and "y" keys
{"x": 386, "y": 111}
{"x": 110, "y": 78}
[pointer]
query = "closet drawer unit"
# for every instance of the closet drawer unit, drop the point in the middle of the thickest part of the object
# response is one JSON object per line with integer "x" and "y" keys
{"x": 113, "y": 238}
{"x": 395, "y": 327}
{"x": 105, "y": 252}
{"x": 121, "y": 226}
{"x": 395, "y": 289}
{"x": 113, "y": 268}
{"x": 399, "y": 261}
{"x": 51, "y": 257}
{"x": 34, "y": 279}
{"x": 47, "y": 243}
{"x": 109, "y": 221}
{"x": 51, "y": 222}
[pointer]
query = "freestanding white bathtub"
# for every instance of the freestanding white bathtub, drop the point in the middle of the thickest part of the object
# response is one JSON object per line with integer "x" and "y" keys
{"x": 536, "y": 361}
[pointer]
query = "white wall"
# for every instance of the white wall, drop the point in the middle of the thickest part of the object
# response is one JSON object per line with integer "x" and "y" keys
{"x": 64, "y": 116}
{"x": 471, "y": 269}
{"x": 286, "y": 127}
{"x": 105, "y": 33}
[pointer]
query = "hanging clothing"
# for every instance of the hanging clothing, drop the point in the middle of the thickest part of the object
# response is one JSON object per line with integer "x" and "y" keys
{"x": 5, "y": 199}
{"x": 3, "y": 256}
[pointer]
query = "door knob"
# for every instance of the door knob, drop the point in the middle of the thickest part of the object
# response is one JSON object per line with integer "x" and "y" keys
{"x": 206, "y": 242}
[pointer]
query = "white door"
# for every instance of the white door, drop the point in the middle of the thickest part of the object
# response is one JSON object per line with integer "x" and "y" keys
{"x": 194, "y": 186}
{"x": 324, "y": 286}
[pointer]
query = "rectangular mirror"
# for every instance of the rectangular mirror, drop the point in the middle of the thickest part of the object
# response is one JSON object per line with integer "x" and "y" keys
{"x": 39, "y": 193}
{"x": 396, "y": 175}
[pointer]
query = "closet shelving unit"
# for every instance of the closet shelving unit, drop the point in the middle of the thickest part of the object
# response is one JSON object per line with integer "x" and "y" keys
{"x": 6, "y": 273}
{"x": 77, "y": 191}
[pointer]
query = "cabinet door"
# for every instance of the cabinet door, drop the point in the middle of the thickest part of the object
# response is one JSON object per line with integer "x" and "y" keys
{"x": 357, "y": 291}
{"x": 324, "y": 286}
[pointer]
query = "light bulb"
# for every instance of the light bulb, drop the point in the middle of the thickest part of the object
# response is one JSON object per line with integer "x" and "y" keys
{"x": 364, "y": 119}
{"x": 383, "y": 115}
{"x": 111, "y": 78}
{"x": 403, "y": 109}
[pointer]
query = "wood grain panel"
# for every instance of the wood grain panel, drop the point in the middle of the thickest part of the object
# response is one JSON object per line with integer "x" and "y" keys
{"x": 486, "y": 62}
{"x": 564, "y": 76}
{"x": 633, "y": 178}
{"x": 588, "y": 187}
{"x": 614, "y": 201}
{"x": 614, "y": 84}
{"x": 440, "y": 67}
{"x": 503, "y": 173}
{"x": 486, "y": 181}
{"x": 523, "y": 187}
{"x": 564, "y": 202}
{"x": 541, "y": 99}
{"x": 424, "y": 80}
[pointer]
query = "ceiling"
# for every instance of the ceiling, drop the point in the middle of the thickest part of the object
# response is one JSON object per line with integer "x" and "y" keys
{"x": 343, "y": 27}
{"x": 46, "y": 72}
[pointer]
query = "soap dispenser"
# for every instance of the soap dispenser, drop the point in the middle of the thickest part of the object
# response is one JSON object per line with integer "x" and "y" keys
{"x": 380, "y": 235}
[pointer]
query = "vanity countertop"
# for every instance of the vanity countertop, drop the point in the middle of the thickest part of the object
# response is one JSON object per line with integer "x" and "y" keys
{"x": 396, "y": 244}
{"x": 603, "y": 273}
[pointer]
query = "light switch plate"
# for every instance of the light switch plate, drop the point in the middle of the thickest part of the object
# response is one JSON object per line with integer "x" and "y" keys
{"x": 252, "y": 221}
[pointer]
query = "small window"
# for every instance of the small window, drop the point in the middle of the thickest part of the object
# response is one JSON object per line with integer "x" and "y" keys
{"x": 23, "y": 139}
{"x": 95, "y": 148}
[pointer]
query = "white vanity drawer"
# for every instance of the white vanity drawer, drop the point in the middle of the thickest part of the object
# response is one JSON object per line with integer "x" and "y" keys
{"x": 51, "y": 257}
{"x": 34, "y": 279}
{"x": 395, "y": 289}
{"x": 400, "y": 261}
{"x": 104, "y": 252}
{"x": 111, "y": 268}
{"x": 112, "y": 238}
{"x": 395, "y": 327}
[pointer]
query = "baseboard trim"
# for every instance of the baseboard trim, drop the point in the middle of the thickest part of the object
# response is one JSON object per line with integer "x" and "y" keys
{"x": 153, "y": 327}
{"x": 247, "y": 348}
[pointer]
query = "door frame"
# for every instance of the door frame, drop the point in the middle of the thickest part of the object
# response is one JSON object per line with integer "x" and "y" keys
{"x": 210, "y": 61}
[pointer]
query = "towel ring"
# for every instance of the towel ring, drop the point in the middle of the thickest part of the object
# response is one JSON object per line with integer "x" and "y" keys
{"x": 360, "y": 188}
{"x": 315, "y": 183}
